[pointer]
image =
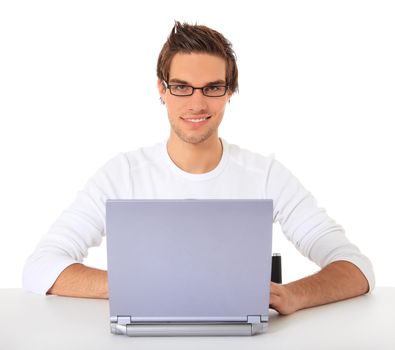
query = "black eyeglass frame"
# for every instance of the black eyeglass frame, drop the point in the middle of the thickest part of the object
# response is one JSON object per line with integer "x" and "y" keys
{"x": 168, "y": 86}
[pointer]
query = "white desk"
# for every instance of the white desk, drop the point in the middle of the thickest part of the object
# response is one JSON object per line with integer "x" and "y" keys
{"x": 30, "y": 321}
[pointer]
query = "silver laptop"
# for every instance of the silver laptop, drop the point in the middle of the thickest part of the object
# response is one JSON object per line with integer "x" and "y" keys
{"x": 189, "y": 267}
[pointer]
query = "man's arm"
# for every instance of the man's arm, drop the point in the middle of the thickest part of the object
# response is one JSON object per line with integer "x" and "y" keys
{"x": 81, "y": 281}
{"x": 337, "y": 281}
{"x": 78, "y": 228}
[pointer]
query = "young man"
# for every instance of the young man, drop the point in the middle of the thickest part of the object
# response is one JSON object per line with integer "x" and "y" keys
{"x": 197, "y": 75}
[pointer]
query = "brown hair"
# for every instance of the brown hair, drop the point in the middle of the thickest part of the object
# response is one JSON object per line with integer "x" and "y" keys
{"x": 187, "y": 38}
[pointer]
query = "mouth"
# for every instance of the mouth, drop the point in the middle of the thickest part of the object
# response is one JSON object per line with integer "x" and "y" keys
{"x": 196, "y": 119}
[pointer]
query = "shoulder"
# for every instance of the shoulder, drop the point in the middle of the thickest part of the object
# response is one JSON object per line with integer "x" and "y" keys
{"x": 256, "y": 162}
{"x": 136, "y": 158}
{"x": 249, "y": 159}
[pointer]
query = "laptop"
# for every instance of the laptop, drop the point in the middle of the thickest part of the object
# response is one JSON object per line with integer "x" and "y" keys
{"x": 189, "y": 267}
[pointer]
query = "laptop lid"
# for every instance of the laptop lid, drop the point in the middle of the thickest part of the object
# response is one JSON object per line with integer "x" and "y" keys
{"x": 189, "y": 266}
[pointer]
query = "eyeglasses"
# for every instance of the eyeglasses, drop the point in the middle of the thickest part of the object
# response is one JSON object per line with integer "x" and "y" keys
{"x": 187, "y": 90}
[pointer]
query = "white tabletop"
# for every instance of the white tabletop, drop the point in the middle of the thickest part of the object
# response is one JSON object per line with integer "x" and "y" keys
{"x": 31, "y": 321}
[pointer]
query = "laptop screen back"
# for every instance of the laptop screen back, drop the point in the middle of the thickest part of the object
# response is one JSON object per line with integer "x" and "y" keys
{"x": 189, "y": 259}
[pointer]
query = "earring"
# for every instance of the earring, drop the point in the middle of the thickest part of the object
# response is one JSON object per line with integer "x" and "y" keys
{"x": 161, "y": 100}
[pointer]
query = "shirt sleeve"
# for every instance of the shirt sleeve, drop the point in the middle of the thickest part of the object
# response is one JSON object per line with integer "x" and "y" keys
{"x": 78, "y": 228}
{"x": 307, "y": 226}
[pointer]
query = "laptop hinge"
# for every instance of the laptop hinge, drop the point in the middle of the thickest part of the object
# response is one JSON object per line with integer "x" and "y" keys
{"x": 119, "y": 324}
{"x": 254, "y": 319}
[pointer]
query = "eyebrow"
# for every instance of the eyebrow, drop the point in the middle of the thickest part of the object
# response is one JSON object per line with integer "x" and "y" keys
{"x": 183, "y": 82}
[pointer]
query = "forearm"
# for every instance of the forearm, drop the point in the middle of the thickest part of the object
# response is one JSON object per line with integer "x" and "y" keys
{"x": 338, "y": 281}
{"x": 81, "y": 281}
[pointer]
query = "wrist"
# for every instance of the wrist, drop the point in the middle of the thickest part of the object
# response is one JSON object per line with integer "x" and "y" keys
{"x": 297, "y": 296}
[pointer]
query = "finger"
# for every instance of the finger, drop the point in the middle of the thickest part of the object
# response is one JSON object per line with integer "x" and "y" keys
{"x": 275, "y": 289}
{"x": 275, "y": 302}
{"x": 274, "y": 299}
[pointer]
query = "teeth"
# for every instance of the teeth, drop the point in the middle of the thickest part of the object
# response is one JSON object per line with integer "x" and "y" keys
{"x": 196, "y": 120}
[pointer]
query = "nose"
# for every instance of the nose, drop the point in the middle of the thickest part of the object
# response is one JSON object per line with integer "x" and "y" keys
{"x": 197, "y": 101}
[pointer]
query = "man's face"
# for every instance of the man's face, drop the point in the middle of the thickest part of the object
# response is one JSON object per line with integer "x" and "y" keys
{"x": 195, "y": 119}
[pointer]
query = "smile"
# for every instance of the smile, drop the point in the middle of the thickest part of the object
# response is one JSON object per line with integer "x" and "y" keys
{"x": 196, "y": 120}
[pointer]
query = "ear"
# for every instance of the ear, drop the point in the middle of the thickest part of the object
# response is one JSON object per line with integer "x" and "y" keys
{"x": 229, "y": 94}
{"x": 161, "y": 88}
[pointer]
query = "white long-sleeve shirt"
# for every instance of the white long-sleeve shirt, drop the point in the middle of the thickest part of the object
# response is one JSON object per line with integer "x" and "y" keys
{"x": 149, "y": 173}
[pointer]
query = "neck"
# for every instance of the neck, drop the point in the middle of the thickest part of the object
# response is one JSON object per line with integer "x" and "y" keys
{"x": 195, "y": 158}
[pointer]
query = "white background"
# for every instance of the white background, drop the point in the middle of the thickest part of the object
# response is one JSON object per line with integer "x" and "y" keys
{"x": 317, "y": 88}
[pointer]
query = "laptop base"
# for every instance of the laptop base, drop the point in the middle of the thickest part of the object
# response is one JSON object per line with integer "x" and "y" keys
{"x": 174, "y": 329}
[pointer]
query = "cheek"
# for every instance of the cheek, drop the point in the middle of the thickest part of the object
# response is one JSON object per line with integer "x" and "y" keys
{"x": 176, "y": 108}
{"x": 219, "y": 108}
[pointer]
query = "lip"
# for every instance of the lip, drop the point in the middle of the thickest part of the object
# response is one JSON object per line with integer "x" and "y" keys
{"x": 196, "y": 116}
{"x": 196, "y": 124}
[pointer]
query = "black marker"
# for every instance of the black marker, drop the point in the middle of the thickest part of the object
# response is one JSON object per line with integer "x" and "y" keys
{"x": 276, "y": 268}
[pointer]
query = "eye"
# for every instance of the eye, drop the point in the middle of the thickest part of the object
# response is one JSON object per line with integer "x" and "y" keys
{"x": 212, "y": 88}
{"x": 181, "y": 87}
